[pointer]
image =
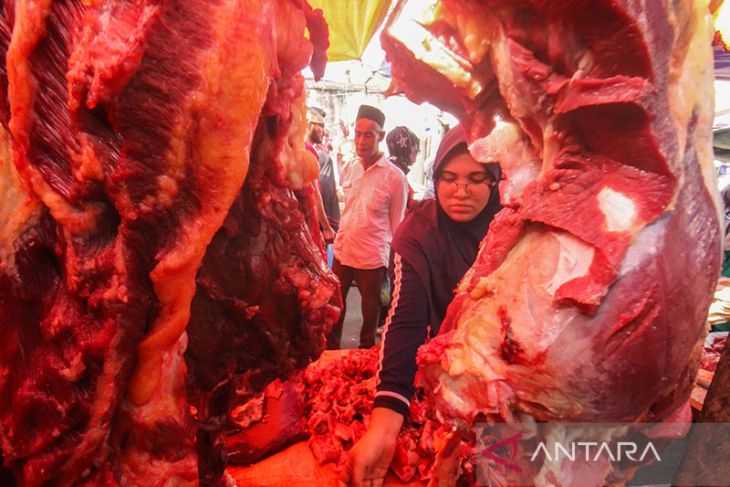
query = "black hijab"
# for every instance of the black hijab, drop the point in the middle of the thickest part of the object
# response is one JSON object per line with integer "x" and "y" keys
{"x": 440, "y": 249}
{"x": 401, "y": 142}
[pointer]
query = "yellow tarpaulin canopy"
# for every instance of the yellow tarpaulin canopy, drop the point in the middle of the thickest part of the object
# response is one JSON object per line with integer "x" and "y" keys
{"x": 352, "y": 24}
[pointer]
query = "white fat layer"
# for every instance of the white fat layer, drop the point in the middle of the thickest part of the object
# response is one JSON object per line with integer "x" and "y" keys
{"x": 574, "y": 261}
{"x": 646, "y": 244}
{"x": 18, "y": 211}
{"x": 431, "y": 51}
{"x": 618, "y": 209}
{"x": 502, "y": 144}
{"x": 555, "y": 472}
{"x": 519, "y": 177}
{"x": 453, "y": 396}
{"x": 166, "y": 403}
{"x": 520, "y": 163}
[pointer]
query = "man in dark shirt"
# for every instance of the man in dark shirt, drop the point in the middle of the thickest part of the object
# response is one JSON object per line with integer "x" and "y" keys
{"x": 327, "y": 185}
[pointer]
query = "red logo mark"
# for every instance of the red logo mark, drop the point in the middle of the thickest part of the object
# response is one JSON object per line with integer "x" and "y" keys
{"x": 511, "y": 444}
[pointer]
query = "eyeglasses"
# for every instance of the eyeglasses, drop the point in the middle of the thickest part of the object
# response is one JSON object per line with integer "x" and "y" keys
{"x": 452, "y": 184}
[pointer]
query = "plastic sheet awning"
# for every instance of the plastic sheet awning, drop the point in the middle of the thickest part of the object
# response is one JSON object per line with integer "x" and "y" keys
{"x": 352, "y": 23}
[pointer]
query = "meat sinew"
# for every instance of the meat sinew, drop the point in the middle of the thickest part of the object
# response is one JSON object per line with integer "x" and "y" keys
{"x": 589, "y": 296}
{"x": 129, "y": 130}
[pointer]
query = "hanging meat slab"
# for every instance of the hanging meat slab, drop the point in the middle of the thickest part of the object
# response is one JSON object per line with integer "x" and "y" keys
{"x": 156, "y": 210}
{"x": 589, "y": 298}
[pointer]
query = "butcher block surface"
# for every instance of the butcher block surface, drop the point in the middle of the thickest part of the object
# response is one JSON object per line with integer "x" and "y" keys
{"x": 295, "y": 467}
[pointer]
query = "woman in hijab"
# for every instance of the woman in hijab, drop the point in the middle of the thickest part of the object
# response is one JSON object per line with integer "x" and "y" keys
{"x": 403, "y": 148}
{"x": 433, "y": 248}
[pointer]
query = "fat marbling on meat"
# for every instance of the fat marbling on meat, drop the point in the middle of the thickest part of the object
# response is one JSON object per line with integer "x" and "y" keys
{"x": 588, "y": 300}
{"x": 139, "y": 141}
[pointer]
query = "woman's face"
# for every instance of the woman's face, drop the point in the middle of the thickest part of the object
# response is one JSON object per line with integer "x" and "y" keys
{"x": 464, "y": 187}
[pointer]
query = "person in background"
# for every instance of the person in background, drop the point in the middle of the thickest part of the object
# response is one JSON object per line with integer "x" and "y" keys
{"x": 403, "y": 147}
{"x": 327, "y": 185}
{"x": 725, "y": 199}
{"x": 351, "y": 170}
{"x": 430, "y": 191}
{"x": 345, "y": 150}
{"x": 434, "y": 247}
{"x": 315, "y": 130}
{"x": 375, "y": 203}
{"x": 348, "y": 165}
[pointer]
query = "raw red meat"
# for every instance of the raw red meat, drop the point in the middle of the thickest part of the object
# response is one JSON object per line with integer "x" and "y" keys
{"x": 589, "y": 297}
{"x": 339, "y": 390}
{"x": 124, "y": 223}
{"x": 333, "y": 397}
{"x": 712, "y": 351}
{"x": 268, "y": 423}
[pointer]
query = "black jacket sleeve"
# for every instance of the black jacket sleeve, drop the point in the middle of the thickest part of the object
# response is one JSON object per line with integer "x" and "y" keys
{"x": 405, "y": 329}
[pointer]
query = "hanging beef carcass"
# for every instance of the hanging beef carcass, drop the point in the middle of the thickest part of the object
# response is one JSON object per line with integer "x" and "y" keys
{"x": 128, "y": 132}
{"x": 589, "y": 297}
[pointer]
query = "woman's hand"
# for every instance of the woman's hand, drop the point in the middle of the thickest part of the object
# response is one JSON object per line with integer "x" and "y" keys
{"x": 368, "y": 461}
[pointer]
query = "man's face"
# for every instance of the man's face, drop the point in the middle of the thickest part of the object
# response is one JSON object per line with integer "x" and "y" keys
{"x": 316, "y": 130}
{"x": 368, "y": 135}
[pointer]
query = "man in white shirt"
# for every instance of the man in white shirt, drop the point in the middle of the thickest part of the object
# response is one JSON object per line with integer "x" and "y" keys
{"x": 351, "y": 171}
{"x": 375, "y": 202}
